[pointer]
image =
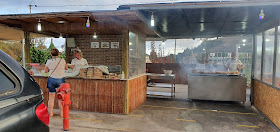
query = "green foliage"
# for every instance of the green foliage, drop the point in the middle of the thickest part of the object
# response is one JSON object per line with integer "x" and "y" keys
{"x": 51, "y": 46}
{"x": 41, "y": 56}
{"x": 48, "y": 51}
{"x": 37, "y": 55}
{"x": 62, "y": 56}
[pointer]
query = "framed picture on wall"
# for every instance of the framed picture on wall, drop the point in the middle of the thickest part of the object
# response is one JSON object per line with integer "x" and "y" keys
{"x": 115, "y": 45}
{"x": 105, "y": 45}
{"x": 95, "y": 45}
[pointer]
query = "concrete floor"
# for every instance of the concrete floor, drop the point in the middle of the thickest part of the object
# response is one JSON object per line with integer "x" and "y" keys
{"x": 170, "y": 115}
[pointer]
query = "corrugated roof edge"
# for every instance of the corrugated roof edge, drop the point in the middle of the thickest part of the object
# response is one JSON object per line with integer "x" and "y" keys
{"x": 199, "y": 4}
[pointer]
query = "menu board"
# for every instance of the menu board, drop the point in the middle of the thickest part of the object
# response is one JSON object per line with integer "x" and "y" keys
{"x": 105, "y": 45}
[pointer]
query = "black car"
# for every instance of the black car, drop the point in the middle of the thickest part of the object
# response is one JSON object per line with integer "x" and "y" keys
{"x": 21, "y": 99}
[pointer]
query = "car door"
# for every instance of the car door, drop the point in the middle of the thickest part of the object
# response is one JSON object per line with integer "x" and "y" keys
{"x": 19, "y": 101}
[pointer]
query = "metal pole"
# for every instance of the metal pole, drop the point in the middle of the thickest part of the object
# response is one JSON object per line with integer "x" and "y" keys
{"x": 253, "y": 67}
{"x": 236, "y": 51}
{"x": 30, "y": 8}
{"x": 263, "y": 52}
{"x": 275, "y": 55}
{"x": 175, "y": 52}
{"x": 23, "y": 54}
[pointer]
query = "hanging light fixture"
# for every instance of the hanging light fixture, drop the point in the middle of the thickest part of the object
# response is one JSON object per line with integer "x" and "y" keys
{"x": 261, "y": 16}
{"x": 163, "y": 42}
{"x": 94, "y": 35}
{"x": 152, "y": 20}
{"x": 88, "y": 23}
{"x": 60, "y": 36}
{"x": 39, "y": 25}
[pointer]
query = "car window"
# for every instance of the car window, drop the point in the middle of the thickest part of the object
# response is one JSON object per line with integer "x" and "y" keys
{"x": 6, "y": 83}
{"x": 9, "y": 84}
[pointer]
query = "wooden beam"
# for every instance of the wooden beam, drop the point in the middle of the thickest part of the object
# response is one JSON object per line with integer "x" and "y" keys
{"x": 78, "y": 28}
{"x": 27, "y": 47}
{"x": 125, "y": 51}
{"x": 45, "y": 15}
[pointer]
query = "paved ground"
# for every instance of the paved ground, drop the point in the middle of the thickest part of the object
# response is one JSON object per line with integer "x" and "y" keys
{"x": 170, "y": 115}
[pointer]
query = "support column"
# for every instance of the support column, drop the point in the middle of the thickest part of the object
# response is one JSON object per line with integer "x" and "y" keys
{"x": 125, "y": 53}
{"x": 27, "y": 47}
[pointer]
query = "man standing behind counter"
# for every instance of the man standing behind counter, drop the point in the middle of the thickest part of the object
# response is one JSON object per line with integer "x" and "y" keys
{"x": 234, "y": 64}
{"x": 78, "y": 62}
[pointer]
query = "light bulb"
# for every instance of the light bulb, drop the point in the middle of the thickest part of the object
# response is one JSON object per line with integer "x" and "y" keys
{"x": 94, "y": 35}
{"x": 88, "y": 23}
{"x": 130, "y": 43}
{"x": 60, "y": 36}
{"x": 39, "y": 25}
{"x": 261, "y": 16}
{"x": 244, "y": 40}
{"x": 163, "y": 42}
{"x": 152, "y": 20}
{"x": 203, "y": 49}
{"x": 244, "y": 44}
{"x": 239, "y": 46}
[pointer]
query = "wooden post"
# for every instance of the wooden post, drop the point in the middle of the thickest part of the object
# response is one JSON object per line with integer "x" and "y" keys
{"x": 27, "y": 47}
{"x": 125, "y": 53}
{"x": 126, "y": 97}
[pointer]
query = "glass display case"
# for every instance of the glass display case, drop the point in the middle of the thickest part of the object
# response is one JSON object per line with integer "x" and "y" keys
{"x": 90, "y": 71}
{"x": 137, "y": 55}
{"x": 258, "y": 56}
{"x": 277, "y": 74}
{"x": 268, "y": 56}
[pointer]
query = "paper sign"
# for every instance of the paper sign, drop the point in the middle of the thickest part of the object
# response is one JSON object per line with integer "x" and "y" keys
{"x": 115, "y": 45}
{"x": 105, "y": 45}
{"x": 94, "y": 44}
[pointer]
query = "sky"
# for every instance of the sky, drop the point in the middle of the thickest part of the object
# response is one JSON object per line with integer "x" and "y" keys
{"x": 169, "y": 46}
{"x": 21, "y": 7}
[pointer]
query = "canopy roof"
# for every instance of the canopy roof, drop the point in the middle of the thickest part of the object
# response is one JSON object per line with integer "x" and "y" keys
{"x": 208, "y": 19}
{"x": 172, "y": 20}
{"x": 74, "y": 23}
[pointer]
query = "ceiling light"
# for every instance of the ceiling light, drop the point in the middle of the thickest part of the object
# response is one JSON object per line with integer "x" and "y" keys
{"x": 261, "y": 16}
{"x": 267, "y": 40}
{"x": 152, "y": 20}
{"x": 39, "y": 25}
{"x": 94, "y": 35}
{"x": 163, "y": 42}
{"x": 244, "y": 40}
{"x": 203, "y": 49}
{"x": 88, "y": 23}
{"x": 130, "y": 43}
{"x": 238, "y": 46}
{"x": 244, "y": 44}
{"x": 61, "y": 22}
{"x": 60, "y": 36}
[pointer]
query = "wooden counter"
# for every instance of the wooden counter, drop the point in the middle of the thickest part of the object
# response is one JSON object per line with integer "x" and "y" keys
{"x": 102, "y": 95}
{"x": 266, "y": 99}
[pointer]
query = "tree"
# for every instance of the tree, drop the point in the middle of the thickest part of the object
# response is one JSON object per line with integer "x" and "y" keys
{"x": 48, "y": 51}
{"x": 37, "y": 55}
{"x": 40, "y": 42}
